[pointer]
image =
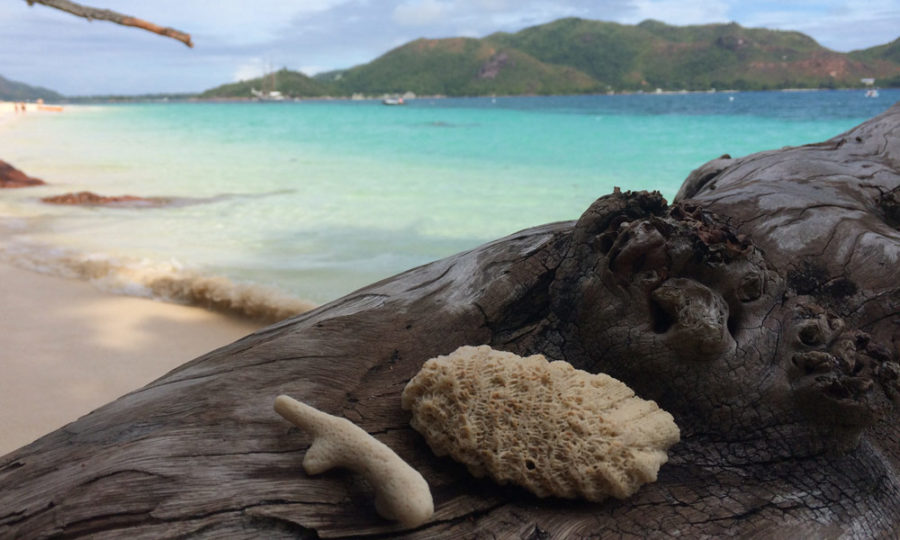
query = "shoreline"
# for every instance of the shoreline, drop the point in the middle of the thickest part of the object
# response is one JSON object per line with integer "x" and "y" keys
{"x": 69, "y": 348}
{"x": 10, "y": 114}
{"x": 132, "y": 275}
{"x": 108, "y": 100}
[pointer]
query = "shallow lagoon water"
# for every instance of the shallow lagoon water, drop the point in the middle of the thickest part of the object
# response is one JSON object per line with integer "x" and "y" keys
{"x": 319, "y": 198}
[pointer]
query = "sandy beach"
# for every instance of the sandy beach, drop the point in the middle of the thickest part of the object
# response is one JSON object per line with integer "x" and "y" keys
{"x": 8, "y": 109}
{"x": 68, "y": 348}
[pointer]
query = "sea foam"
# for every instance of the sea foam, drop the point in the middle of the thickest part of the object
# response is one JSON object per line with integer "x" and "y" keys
{"x": 167, "y": 281}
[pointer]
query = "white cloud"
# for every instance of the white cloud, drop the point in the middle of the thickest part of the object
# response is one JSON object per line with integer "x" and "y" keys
{"x": 680, "y": 12}
{"x": 420, "y": 12}
{"x": 249, "y": 69}
{"x": 469, "y": 33}
{"x": 312, "y": 70}
{"x": 836, "y": 24}
{"x": 232, "y": 21}
{"x": 491, "y": 5}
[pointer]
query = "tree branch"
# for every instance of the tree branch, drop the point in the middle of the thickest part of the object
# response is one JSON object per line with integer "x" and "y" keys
{"x": 91, "y": 13}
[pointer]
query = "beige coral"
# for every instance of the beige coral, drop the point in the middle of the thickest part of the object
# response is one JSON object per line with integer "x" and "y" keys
{"x": 400, "y": 491}
{"x": 543, "y": 425}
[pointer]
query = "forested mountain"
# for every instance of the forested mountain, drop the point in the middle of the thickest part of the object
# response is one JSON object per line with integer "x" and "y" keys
{"x": 462, "y": 66}
{"x": 289, "y": 83}
{"x": 571, "y": 56}
{"x": 885, "y": 56}
{"x": 657, "y": 55}
{"x": 17, "y": 91}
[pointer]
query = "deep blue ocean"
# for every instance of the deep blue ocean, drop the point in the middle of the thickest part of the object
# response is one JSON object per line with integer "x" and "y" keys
{"x": 313, "y": 199}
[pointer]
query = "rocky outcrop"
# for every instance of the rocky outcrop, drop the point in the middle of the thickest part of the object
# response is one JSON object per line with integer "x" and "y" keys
{"x": 493, "y": 66}
{"x": 11, "y": 177}
{"x": 87, "y": 198}
{"x": 762, "y": 310}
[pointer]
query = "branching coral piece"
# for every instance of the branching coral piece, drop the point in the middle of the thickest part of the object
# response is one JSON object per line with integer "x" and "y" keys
{"x": 400, "y": 491}
{"x": 546, "y": 426}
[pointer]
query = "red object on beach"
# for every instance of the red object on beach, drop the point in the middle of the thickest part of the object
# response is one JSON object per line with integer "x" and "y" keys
{"x": 11, "y": 177}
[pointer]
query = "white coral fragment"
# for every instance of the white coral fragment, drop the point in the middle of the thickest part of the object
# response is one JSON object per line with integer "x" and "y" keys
{"x": 400, "y": 491}
{"x": 546, "y": 426}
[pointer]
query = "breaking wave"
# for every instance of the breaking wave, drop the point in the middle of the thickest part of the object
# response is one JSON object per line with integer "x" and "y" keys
{"x": 167, "y": 281}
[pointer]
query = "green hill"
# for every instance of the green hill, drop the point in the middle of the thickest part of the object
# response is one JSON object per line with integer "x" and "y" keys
{"x": 605, "y": 51}
{"x": 461, "y": 66}
{"x": 885, "y": 56}
{"x": 330, "y": 76}
{"x": 572, "y": 56}
{"x": 889, "y": 52}
{"x": 656, "y": 55}
{"x": 16, "y": 91}
{"x": 289, "y": 83}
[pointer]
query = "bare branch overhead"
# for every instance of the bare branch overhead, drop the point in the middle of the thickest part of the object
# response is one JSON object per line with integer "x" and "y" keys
{"x": 91, "y": 13}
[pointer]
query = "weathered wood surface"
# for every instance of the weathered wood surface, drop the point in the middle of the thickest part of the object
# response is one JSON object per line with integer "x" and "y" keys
{"x": 769, "y": 329}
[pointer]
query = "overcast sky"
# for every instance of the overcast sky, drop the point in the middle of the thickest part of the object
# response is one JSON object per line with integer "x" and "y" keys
{"x": 239, "y": 39}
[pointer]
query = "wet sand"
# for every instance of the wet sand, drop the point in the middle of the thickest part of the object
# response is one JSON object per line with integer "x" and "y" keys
{"x": 66, "y": 348}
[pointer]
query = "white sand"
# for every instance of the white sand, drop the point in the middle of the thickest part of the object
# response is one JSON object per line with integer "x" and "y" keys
{"x": 7, "y": 108}
{"x": 8, "y": 113}
{"x": 67, "y": 348}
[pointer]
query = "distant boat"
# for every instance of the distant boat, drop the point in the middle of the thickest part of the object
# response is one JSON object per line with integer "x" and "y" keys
{"x": 268, "y": 94}
{"x": 274, "y": 95}
{"x": 393, "y": 101}
{"x": 872, "y": 92}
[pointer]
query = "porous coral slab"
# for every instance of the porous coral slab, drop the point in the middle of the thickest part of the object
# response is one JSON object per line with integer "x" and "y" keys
{"x": 546, "y": 426}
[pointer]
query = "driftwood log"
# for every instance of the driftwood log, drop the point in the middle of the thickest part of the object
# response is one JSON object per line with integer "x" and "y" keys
{"x": 761, "y": 309}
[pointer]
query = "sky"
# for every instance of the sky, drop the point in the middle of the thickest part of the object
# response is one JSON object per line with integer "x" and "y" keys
{"x": 237, "y": 39}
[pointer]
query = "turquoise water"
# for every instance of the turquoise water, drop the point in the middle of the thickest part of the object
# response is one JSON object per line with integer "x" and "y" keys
{"x": 318, "y": 198}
